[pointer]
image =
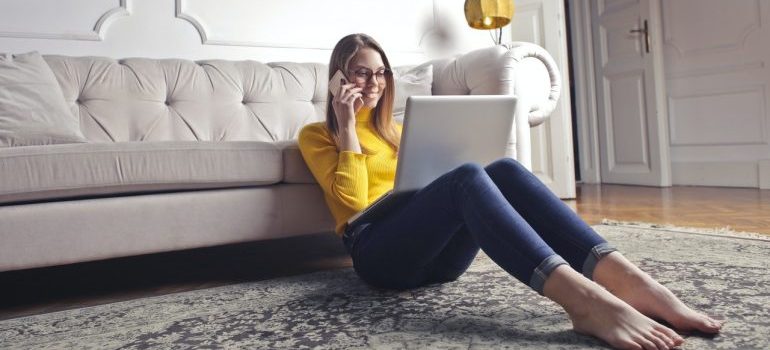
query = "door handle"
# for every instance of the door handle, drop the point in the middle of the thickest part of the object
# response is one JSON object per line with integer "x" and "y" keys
{"x": 646, "y": 34}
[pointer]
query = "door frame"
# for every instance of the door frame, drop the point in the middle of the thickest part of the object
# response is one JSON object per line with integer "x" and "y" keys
{"x": 585, "y": 91}
{"x": 552, "y": 145}
{"x": 585, "y": 99}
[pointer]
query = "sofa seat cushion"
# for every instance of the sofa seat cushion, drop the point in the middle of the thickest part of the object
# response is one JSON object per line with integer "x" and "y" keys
{"x": 295, "y": 170}
{"x": 90, "y": 169}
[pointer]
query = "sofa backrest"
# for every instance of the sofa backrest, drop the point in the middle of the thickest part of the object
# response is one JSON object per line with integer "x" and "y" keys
{"x": 140, "y": 99}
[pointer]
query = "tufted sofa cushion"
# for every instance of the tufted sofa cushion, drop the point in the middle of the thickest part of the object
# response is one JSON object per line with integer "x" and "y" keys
{"x": 60, "y": 171}
{"x": 295, "y": 170}
{"x": 139, "y": 99}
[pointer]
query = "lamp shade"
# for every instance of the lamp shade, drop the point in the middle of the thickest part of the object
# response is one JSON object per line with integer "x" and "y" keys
{"x": 488, "y": 14}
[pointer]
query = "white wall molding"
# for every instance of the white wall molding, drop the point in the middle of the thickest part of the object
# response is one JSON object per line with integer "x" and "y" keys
{"x": 156, "y": 29}
{"x": 180, "y": 13}
{"x": 209, "y": 36}
{"x": 716, "y": 70}
{"x": 108, "y": 17}
{"x": 708, "y": 109}
{"x": 95, "y": 33}
{"x": 680, "y": 44}
{"x": 727, "y": 174}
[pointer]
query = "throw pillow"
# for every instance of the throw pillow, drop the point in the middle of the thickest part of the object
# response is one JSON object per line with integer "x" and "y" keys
{"x": 410, "y": 81}
{"x": 32, "y": 106}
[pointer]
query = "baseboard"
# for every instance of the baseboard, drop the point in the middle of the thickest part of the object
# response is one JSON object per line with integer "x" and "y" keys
{"x": 764, "y": 174}
{"x": 727, "y": 174}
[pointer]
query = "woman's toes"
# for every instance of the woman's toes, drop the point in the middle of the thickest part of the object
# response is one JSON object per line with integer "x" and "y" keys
{"x": 645, "y": 343}
{"x": 701, "y": 322}
{"x": 675, "y": 338}
{"x": 711, "y": 325}
{"x": 670, "y": 343}
{"x": 662, "y": 340}
{"x": 715, "y": 323}
{"x": 627, "y": 344}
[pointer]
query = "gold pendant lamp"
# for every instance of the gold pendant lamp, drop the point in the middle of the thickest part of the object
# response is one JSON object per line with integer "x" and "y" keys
{"x": 488, "y": 14}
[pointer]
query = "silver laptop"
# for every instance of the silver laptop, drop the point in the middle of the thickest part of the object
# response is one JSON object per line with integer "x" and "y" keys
{"x": 441, "y": 133}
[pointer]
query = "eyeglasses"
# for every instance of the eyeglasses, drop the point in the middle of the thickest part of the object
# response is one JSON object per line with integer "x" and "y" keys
{"x": 362, "y": 75}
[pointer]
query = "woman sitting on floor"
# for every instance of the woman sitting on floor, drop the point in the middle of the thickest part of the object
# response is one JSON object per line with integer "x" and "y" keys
{"x": 502, "y": 208}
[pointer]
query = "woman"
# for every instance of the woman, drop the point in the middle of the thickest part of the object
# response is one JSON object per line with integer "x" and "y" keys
{"x": 502, "y": 209}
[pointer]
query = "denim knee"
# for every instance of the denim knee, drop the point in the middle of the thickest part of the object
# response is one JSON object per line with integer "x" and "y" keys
{"x": 468, "y": 169}
{"x": 506, "y": 162}
{"x": 467, "y": 172}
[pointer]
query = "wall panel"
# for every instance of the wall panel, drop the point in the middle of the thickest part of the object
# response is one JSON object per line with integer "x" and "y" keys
{"x": 716, "y": 57}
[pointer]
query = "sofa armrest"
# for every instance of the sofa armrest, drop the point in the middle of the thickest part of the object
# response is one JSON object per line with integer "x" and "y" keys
{"x": 518, "y": 68}
{"x": 522, "y": 69}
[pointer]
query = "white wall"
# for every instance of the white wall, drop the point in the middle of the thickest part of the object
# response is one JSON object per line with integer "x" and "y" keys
{"x": 718, "y": 80}
{"x": 263, "y": 30}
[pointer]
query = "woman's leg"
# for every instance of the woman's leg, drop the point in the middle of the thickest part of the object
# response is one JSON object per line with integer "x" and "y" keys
{"x": 454, "y": 259}
{"x": 585, "y": 250}
{"x": 554, "y": 221}
{"x": 398, "y": 250}
{"x": 402, "y": 248}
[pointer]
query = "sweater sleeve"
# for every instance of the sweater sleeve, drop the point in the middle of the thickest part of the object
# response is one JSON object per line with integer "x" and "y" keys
{"x": 342, "y": 175}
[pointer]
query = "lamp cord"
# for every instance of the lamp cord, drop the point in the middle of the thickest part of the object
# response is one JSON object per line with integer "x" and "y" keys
{"x": 498, "y": 32}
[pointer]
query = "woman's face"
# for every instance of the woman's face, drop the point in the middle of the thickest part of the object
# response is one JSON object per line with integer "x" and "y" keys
{"x": 368, "y": 72}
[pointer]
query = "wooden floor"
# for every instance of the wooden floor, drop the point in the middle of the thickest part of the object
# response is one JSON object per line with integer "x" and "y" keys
{"x": 57, "y": 288}
{"x": 740, "y": 209}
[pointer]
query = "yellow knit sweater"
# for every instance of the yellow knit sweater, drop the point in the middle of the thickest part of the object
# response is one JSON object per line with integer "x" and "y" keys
{"x": 350, "y": 180}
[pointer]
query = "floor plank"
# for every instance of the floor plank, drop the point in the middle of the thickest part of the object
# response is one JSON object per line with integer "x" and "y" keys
{"x": 57, "y": 288}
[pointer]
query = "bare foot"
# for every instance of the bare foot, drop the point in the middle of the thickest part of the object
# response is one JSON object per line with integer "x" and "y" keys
{"x": 638, "y": 289}
{"x": 594, "y": 311}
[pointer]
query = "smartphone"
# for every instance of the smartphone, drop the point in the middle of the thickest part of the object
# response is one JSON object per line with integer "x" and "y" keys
{"x": 334, "y": 82}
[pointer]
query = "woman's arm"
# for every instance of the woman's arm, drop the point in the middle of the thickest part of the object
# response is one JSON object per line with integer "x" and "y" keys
{"x": 342, "y": 174}
{"x": 349, "y": 139}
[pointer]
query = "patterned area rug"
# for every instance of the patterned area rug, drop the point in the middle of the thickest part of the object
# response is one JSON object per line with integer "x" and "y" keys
{"x": 486, "y": 308}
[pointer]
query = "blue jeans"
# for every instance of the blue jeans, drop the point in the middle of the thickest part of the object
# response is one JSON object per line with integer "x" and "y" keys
{"x": 503, "y": 209}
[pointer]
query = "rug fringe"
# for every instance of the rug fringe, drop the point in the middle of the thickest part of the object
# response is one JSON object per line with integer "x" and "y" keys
{"x": 723, "y": 231}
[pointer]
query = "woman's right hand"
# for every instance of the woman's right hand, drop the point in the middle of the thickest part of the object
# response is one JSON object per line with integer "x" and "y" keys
{"x": 346, "y": 103}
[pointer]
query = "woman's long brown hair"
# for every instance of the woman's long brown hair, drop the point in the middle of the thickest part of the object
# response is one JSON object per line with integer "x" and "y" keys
{"x": 382, "y": 115}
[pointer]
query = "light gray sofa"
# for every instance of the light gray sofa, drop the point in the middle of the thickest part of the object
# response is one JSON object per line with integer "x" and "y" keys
{"x": 185, "y": 154}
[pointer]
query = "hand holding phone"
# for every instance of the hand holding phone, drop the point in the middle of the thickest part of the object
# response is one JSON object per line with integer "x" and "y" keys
{"x": 336, "y": 81}
{"x": 344, "y": 108}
